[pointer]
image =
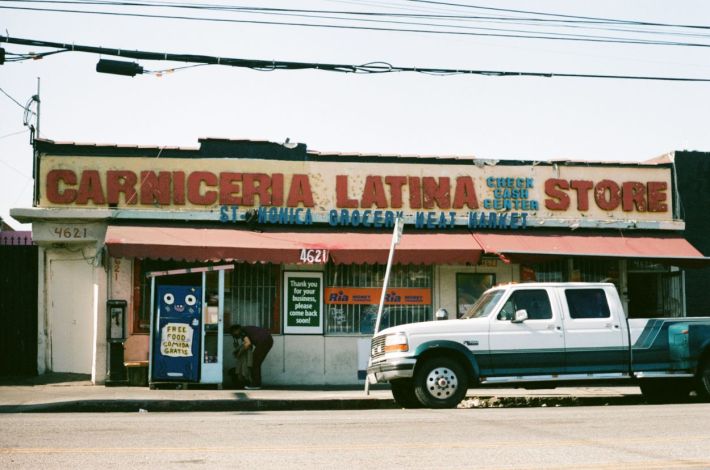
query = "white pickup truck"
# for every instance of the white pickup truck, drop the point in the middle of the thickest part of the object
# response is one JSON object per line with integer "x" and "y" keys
{"x": 542, "y": 335}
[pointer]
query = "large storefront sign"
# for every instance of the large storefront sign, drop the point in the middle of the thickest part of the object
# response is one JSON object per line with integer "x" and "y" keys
{"x": 371, "y": 296}
{"x": 303, "y": 302}
{"x": 360, "y": 194}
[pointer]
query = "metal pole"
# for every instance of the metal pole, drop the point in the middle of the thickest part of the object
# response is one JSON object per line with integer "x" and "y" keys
{"x": 385, "y": 283}
{"x": 396, "y": 236}
{"x": 35, "y": 156}
{"x": 152, "y": 326}
{"x": 38, "y": 105}
{"x": 201, "y": 332}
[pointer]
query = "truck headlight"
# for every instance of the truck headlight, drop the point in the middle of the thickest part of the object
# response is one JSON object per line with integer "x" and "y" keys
{"x": 396, "y": 343}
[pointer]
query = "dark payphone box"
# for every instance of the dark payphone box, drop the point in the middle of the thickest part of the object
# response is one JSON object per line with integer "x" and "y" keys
{"x": 116, "y": 321}
{"x": 115, "y": 337}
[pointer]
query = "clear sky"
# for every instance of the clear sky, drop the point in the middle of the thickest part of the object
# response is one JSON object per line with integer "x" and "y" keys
{"x": 396, "y": 113}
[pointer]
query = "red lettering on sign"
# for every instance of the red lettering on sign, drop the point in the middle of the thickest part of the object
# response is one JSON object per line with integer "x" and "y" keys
{"x": 465, "y": 193}
{"x": 607, "y": 195}
{"x": 121, "y": 182}
{"x": 341, "y": 192}
{"x": 277, "y": 189}
{"x": 256, "y": 184}
{"x": 373, "y": 193}
{"x": 90, "y": 188}
{"x": 582, "y": 187}
{"x": 300, "y": 192}
{"x": 439, "y": 193}
{"x": 179, "y": 187}
{"x": 553, "y": 188}
{"x": 657, "y": 196}
{"x": 633, "y": 194}
{"x": 229, "y": 189}
{"x": 57, "y": 194}
{"x": 395, "y": 183}
{"x": 194, "y": 188}
{"x": 155, "y": 188}
{"x": 415, "y": 193}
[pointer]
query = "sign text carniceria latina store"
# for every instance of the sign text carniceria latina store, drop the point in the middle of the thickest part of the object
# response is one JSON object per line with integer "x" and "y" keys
{"x": 364, "y": 194}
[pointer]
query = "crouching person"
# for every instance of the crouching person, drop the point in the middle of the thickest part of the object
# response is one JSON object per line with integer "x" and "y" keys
{"x": 259, "y": 342}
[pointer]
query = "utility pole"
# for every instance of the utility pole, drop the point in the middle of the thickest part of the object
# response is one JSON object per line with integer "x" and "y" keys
{"x": 35, "y": 156}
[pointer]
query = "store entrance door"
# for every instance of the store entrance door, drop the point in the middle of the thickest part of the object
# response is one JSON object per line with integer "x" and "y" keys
{"x": 653, "y": 295}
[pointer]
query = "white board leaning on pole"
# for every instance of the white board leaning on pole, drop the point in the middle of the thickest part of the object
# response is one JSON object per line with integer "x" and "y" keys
{"x": 396, "y": 237}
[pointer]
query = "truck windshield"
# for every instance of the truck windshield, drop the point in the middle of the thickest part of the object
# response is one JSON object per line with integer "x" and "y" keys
{"x": 484, "y": 305}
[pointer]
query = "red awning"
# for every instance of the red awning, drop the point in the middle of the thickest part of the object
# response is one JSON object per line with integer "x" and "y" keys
{"x": 669, "y": 248}
{"x": 214, "y": 244}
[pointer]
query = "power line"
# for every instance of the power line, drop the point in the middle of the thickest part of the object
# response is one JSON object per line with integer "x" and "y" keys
{"x": 548, "y": 20}
{"x": 548, "y": 17}
{"x": 23, "y": 131}
{"x": 12, "y": 99}
{"x": 358, "y": 16}
{"x": 543, "y": 35}
{"x": 269, "y": 65}
{"x": 557, "y": 15}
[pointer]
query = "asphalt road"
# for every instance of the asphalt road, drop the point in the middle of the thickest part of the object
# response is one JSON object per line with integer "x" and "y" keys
{"x": 597, "y": 437}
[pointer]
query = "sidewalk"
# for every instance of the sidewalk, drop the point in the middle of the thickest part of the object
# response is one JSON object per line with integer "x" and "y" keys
{"x": 74, "y": 393}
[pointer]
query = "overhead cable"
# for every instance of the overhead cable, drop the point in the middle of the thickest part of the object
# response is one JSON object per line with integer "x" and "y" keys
{"x": 269, "y": 65}
{"x": 511, "y": 34}
{"x": 557, "y": 15}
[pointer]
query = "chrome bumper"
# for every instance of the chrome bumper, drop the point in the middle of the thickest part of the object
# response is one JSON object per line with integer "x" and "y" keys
{"x": 391, "y": 370}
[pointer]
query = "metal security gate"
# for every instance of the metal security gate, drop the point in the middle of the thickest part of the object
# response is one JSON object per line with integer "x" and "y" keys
{"x": 18, "y": 310}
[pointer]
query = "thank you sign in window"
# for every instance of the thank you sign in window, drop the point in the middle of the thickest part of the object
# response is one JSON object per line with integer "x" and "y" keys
{"x": 303, "y": 302}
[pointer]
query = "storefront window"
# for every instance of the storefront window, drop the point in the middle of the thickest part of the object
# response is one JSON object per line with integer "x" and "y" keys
{"x": 469, "y": 287}
{"x": 552, "y": 271}
{"x": 595, "y": 270}
{"x": 580, "y": 270}
{"x": 654, "y": 290}
{"x": 250, "y": 292}
{"x": 251, "y": 296}
{"x": 352, "y": 297}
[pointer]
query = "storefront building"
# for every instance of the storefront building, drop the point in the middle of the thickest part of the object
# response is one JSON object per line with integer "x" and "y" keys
{"x": 302, "y": 239}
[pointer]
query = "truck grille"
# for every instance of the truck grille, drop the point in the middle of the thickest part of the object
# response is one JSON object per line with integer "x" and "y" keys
{"x": 377, "y": 349}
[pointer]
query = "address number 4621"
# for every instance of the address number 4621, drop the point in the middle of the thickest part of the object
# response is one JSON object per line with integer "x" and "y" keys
{"x": 314, "y": 256}
{"x": 70, "y": 232}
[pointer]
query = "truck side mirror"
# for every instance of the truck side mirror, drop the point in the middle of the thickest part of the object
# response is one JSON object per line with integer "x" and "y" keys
{"x": 520, "y": 316}
{"x": 441, "y": 314}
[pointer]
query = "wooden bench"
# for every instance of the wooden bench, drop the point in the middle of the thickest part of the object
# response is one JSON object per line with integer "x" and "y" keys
{"x": 137, "y": 373}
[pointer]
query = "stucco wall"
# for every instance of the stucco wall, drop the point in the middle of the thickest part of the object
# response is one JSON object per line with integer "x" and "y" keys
{"x": 307, "y": 360}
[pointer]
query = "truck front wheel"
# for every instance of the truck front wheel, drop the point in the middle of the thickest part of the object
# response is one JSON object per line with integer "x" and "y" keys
{"x": 440, "y": 382}
{"x": 403, "y": 393}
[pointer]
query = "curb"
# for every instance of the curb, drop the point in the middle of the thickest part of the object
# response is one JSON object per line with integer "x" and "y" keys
{"x": 133, "y": 406}
{"x": 150, "y": 405}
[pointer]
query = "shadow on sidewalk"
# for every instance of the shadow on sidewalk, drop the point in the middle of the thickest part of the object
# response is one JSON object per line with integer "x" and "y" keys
{"x": 50, "y": 378}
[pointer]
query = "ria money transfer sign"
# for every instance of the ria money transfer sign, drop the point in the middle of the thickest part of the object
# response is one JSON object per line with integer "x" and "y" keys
{"x": 303, "y": 302}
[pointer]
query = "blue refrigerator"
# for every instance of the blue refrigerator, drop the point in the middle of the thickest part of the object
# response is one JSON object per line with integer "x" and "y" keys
{"x": 177, "y": 335}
